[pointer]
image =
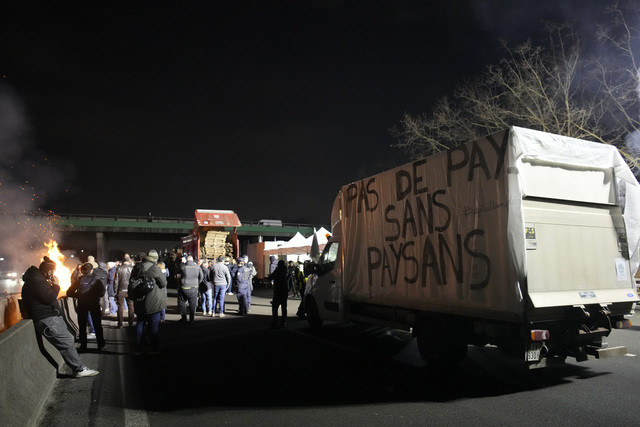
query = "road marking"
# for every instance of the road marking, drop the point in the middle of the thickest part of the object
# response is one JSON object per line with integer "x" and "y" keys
{"x": 131, "y": 393}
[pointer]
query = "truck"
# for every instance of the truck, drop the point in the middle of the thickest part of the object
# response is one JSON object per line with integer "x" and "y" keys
{"x": 214, "y": 234}
{"x": 523, "y": 240}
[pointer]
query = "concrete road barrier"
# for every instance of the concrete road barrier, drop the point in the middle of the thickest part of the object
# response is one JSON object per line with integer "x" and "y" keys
{"x": 28, "y": 369}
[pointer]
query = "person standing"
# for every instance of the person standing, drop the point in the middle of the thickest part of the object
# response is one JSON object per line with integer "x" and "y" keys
{"x": 165, "y": 271}
{"x": 282, "y": 283}
{"x": 221, "y": 279}
{"x": 88, "y": 290}
{"x": 40, "y": 300}
{"x": 207, "y": 288}
{"x": 113, "y": 308}
{"x": 242, "y": 279}
{"x": 188, "y": 291}
{"x": 149, "y": 309}
{"x": 121, "y": 286}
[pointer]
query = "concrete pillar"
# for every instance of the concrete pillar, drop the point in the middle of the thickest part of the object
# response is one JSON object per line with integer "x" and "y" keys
{"x": 101, "y": 247}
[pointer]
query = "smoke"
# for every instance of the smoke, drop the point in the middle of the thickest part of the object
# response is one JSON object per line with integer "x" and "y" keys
{"x": 27, "y": 179}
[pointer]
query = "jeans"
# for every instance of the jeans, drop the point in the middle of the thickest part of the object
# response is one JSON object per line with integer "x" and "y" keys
{"x": 92, "y": 330}
{"x": 218, "y": 297}
{"x": 207, "y": 297}
{"x": 152, "y": 321}
{"x": 54, "y": 329}
{"x": 123, "y": 300}
{"x": 113, "y": 308}
{"x": 187, "y": 296}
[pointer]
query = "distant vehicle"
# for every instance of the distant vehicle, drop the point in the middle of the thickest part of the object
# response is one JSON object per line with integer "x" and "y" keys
{"x": 270, "y": 222}
{"x": 523, "y": 239}
{"x": 10, "y": 280}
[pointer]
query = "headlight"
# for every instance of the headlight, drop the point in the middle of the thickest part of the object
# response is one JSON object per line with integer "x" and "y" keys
{"x": 13, "y": 274}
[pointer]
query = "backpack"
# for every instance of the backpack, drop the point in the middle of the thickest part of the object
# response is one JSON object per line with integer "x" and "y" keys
{"x": 140, "y": 284}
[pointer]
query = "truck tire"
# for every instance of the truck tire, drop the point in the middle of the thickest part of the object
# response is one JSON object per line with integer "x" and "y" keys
{"x": 437, "y": 345}
{"x": 311, "y": 310}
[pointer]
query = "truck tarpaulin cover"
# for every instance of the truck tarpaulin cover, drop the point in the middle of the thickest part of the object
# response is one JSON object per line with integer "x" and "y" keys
{"x": 216, "y": 218}
{"x": 449, "y": 229}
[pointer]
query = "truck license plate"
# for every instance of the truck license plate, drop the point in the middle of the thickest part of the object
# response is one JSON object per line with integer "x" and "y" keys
{"x": 533, "y": 354}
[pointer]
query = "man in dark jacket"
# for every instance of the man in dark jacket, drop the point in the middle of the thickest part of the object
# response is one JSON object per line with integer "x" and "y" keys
{"x": 88, "y": 290}
{"x": 282, "y": 283}
{"x": 242, "y": 278}
{"x": 188, "y": 290}
{"x": 149, "y": 309}
{"x": 40, "y": 299}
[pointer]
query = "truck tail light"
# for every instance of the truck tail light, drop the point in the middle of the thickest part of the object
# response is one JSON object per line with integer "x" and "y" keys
{"x": 623, "y": 324}
{"x": 540, "y": 335}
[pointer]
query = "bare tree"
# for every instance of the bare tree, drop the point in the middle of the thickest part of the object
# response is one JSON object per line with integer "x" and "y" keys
{"x": 556, "y": 89}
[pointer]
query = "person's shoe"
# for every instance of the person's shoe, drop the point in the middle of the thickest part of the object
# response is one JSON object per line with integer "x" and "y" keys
{"x": 86, "y": 372}
{"x": 91, "y": 336}
{"x": 183, "y": 320}
{"x": 221, "y": 314}
{"x": 217, "y": 315}
{"x": 209, "y": 314}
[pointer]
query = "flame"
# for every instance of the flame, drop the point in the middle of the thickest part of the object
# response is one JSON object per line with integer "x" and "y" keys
{"x": 62, "y": 272}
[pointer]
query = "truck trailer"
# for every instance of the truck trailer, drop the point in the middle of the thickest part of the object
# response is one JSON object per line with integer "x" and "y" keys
{"x": 524, "y": 240}
{"x": 214, "y": 234}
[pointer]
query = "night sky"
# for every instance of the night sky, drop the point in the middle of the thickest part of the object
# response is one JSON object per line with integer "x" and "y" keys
{"x": 265, "y": 108}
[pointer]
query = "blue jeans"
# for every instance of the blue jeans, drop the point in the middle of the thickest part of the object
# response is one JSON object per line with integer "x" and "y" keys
{"x": 153, "y": 326}
{"x": 113, "y": 308}
{"x": 207, "y": 297}
{"x": 219, "y": 292}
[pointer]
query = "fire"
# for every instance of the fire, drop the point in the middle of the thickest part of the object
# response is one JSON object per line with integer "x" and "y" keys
{"x": 62, "y": 273}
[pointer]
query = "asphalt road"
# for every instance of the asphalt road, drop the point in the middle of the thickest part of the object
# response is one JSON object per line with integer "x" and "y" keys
{"x": 238, "y": 371}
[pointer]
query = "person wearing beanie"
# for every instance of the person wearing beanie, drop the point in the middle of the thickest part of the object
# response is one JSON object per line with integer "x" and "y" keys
{"x": 149, "y": 309}
{"x": 40, "y": 300}
{"x": 88, "y": 290}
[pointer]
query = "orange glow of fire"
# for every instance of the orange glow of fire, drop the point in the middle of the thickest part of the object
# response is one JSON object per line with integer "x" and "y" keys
{"x": 62, "y": 272}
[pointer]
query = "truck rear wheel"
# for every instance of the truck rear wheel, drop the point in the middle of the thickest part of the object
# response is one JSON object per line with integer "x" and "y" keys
{"x": 311, "y": 309}
{"x": 437, "y": 345}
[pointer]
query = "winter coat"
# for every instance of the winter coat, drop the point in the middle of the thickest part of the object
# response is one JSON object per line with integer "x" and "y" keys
{"x": 39, "y": 297}
{"x": 121, "y": 279}
{"x": 206, "y": 278}
{"x": 282, "y": 282}
{"x": 88, "y": 289}
{"x": 273, "y": 263}
{"x": 156, "y": 300}
{"x": 242, "y": 278}
{"x": 191, "y": 275}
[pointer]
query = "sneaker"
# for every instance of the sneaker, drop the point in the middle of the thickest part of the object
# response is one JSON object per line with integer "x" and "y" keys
{"x": 217, "y": 315}
{"x": 221, "y": 314}
{"x": 86, "y": 372}
{"x": 209, "y": 314}
{"x": 91, "y": 336}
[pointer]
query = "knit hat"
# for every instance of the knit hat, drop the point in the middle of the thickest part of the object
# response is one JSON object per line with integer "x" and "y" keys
{"x": 152, "y": 256}
{"x": 47, "y": 264}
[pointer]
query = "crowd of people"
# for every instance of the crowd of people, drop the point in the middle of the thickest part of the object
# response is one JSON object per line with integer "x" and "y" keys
{"x": 138, "y": 286}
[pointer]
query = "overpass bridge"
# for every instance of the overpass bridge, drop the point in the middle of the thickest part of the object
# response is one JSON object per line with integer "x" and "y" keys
{"x": 110, "y": 236}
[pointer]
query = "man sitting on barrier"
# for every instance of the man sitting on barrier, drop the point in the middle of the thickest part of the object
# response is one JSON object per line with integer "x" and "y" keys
{"x": 40, "y": 298}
